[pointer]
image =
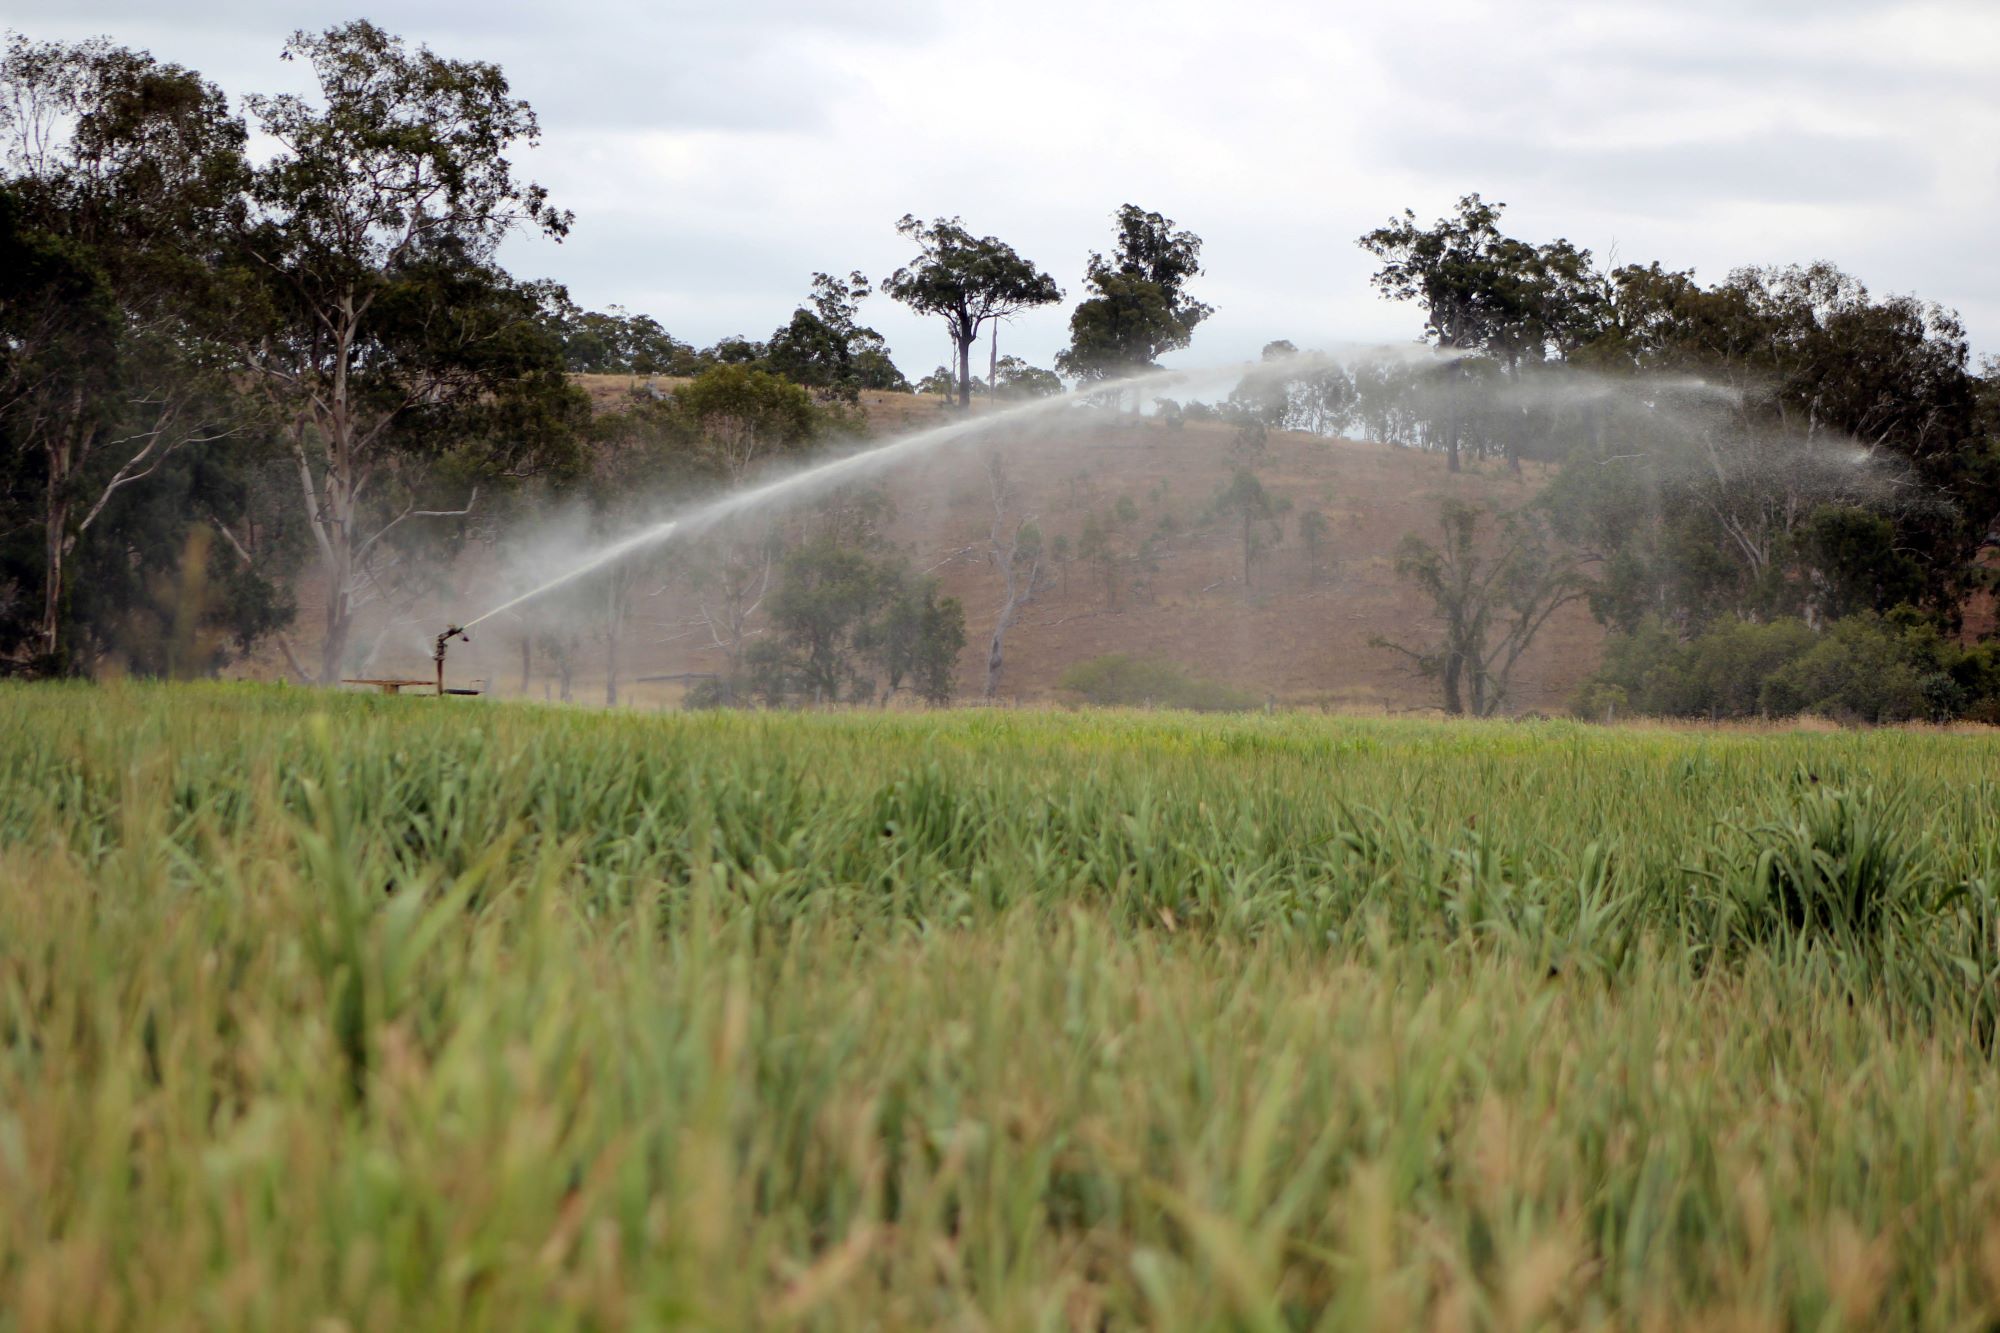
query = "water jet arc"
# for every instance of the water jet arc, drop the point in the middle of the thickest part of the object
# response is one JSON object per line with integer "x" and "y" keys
{"x": 839, "y": 470}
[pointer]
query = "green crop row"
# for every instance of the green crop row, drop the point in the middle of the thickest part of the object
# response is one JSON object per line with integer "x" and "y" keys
{"x": 344, "y": 1012}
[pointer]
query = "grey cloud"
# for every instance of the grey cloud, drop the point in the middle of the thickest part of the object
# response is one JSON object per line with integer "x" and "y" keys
{"x": 820, "y": 121}
{"x": 1775, "y": 166}
{"x": 747, "y": 65}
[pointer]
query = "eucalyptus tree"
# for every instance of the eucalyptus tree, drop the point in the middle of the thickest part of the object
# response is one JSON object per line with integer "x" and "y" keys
{"x": 826, "y": 347}
{"x": 1492, "y": 596}
{"x": 969, "y": 281}
{"x": 1484, "y": 292}
{"x": 1139, "y": 308}
{"x": 121, "y": 173}
{"x": 373, "y": 316}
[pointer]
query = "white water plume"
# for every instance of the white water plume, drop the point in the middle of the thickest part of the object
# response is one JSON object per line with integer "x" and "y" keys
{"x": 840, "y": 471}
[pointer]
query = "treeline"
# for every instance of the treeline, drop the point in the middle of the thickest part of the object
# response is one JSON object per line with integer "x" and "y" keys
{"x": 823, "y": 346}
{"x": 1781, "y": 458}
{"x": 215, "y": 368}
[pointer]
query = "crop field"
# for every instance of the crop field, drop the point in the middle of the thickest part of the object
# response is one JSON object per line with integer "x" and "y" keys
{"x": 325, "y": 1012}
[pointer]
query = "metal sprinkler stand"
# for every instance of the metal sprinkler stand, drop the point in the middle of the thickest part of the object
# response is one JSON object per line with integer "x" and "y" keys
{"x": 437, "y": 654}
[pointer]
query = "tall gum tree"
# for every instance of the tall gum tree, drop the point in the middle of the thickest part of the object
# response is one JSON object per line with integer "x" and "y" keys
{"x": 375, "y": 305}
{"x": 969, "y": 280}
{"x": 1139, "y": 308}
{"x": 1485, "y": 292}
{"x": 120, "y": 174}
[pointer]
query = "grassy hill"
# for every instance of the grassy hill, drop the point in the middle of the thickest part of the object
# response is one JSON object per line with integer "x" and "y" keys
{"x": 1301, "y": 641}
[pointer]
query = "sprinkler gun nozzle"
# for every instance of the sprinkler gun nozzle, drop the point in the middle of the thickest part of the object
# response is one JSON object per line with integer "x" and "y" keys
{"x": 437, "y": 654}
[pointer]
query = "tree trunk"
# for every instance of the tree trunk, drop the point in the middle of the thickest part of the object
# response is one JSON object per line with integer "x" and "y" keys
{"x": 62, "y": 453}
{"x": 617, "y": 608}
{"x": 965, "y": 372}
{"x": 56, "y": 518}
{"x": 1451, "y": 418}
{"x": 1002, "y": 625}
{"x": 330, "y": 507}
{"x": 1454, "y": 663}
{"x": 993, "y": 363}
{"x": 339, "y": 618}
{"x": 527, "y": 662}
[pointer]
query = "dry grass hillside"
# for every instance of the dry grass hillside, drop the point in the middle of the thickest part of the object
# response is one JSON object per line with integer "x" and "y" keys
{"x": 1285, "y": 635}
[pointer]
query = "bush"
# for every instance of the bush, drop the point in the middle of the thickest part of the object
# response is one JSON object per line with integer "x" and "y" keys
{"x": 1862, "y": 668}
{"x": 1718, "y": 674}
{"x": 1119, "y": 680}
{"x": 1859, "y": 670}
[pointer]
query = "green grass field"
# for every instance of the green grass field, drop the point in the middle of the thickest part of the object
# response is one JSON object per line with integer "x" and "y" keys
{"x": 326, "y": 1012}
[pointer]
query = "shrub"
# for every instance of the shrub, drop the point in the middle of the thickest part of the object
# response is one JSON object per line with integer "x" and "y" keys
{"x": 1858, "y": 670}
{"x": 1862, "y": 668}
{"x": 1120, "y": 680}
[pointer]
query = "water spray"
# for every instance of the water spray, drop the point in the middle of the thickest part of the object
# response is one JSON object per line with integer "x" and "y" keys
{"x": 840, "y": 470}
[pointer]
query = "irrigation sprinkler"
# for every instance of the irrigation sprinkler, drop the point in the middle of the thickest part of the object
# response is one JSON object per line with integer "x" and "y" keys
{"x": 398, "y": 685}
{"x": 437, "y": 654}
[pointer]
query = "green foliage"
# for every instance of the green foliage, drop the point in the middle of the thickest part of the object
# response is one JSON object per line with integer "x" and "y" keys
{"x": 1491, "y": 597}
{"x": 826, "y": 595}
{"x": 1254, "y": 511}
{"x": 1019, "y": 380}
{"x": 1863, "y": 668}
{"x": 1119, "y": 680}
{"x": 1139, "y": 308}
{"x": 1854, "y": 562}
{"x": 616, "y": 342}
{"x": 1480, "y": 288}
{"x": 917, "y": 639}
{"x": 967, "y": 280}
{"x": 826, "y": 348}
{"x": 944, "y": 383}
{"x": 1314, "y": 532}
{"x": 369, "y": 308}
{"x": 1847, "y": 469}
{"x": 123, "y": 177}
{"x": 1718, "y": 674}
{"x": 839, "y": 608}
{"x": 741, "y": 417}
{"x": 1831, "y": 862}
{"x": 1858, "y": 670}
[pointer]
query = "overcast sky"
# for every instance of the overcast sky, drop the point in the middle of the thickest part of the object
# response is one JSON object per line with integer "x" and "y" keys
{"x": 716, "y": 154}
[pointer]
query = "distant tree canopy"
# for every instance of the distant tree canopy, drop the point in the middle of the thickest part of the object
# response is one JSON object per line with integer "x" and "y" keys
{"x": 826, "y": 348}
{"x": 1139, "y": 307}
{"x": 1490, "y": 597}
{"x": 822, "y": 346}
{"x": 1781, "y": 445}
{"x": 616, "y": 342}
{"x": 967, "y": 280}
{"x": 840, "y": 609}
{"x": 1017, "y": 379}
